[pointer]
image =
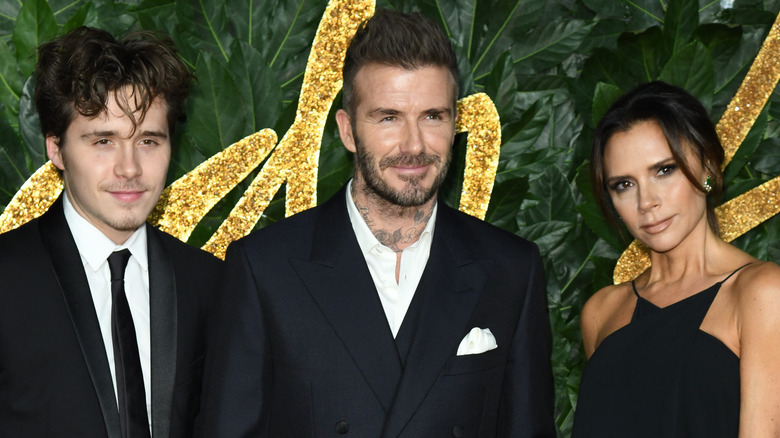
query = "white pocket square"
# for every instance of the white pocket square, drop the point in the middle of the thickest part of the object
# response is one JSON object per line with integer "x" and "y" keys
{"x": 478, "y": 341}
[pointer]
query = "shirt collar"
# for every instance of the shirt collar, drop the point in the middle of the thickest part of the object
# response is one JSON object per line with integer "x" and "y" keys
{"x": 366, "y": 239}
{"x": 94, "y": 246}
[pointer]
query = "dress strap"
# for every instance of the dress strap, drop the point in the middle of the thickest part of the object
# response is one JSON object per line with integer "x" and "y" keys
{"x": 633, "y": 286}
{"x": 732, "y": 273}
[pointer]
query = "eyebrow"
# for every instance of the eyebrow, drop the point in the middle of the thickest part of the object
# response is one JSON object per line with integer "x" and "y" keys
{"x": 383, "y": 112}
{"x": 655, "y": 165}
{"x": 157, "y": 134}
{"x": 438, "y": 111}
{"x": 394, "y": 112}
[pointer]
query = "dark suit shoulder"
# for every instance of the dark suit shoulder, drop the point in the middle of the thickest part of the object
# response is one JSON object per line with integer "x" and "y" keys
{"x": 286, "y": 234}
{"x": 20, "y": 239}
{"x": 187, "y": 252}
{"x": 486, "y": 235}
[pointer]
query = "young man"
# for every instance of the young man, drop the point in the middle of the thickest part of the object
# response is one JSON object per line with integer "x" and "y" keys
{"x": 101, "y": 315}
{"x": 384, "y": 313}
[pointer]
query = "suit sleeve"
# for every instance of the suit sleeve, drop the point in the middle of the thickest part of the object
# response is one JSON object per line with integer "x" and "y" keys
{"x": 237, "y": 371}
{"x": 527, "y": 401}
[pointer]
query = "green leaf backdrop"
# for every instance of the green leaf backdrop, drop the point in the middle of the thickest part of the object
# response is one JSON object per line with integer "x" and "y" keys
{"x": 551, "y": 66}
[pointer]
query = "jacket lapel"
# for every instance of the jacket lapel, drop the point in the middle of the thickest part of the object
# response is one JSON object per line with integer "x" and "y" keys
{"x": 164, "y": 322}
{"x": 450, "y": 287}
{"x": 70, "y": 274}
{"x": 338, "y": 280}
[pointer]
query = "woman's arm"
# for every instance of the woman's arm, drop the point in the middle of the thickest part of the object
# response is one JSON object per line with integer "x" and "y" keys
{"x": 606, "y": 311}
{"x": 758, "y": 313}
{"x": 589, "y": 324}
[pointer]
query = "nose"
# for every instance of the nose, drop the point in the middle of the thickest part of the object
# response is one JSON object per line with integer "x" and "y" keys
{"x": 648, "y": 197}
{"x": 127, "y": 164}
{"x": 412, "y": 142}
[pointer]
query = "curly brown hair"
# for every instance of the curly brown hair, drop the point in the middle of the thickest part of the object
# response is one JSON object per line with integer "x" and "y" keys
{"x": 78, "y": 72}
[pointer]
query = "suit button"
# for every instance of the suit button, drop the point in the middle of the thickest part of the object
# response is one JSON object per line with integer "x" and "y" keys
{"x": 342, "y": 427}
{"x": 457, "y": 431}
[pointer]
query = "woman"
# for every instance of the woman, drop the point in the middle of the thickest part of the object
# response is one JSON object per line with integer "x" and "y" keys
{"x": 691, "y": 347}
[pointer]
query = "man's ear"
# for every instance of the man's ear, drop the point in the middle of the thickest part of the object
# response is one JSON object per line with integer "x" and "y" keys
{"x": 54, "y": 151}
{"x": 345, "y": 130}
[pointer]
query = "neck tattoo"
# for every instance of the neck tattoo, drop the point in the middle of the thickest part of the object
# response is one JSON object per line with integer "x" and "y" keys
{"x": 394, "y": 237}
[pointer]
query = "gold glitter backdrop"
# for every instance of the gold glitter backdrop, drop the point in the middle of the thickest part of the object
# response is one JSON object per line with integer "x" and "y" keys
{"x": 295, "y": 158}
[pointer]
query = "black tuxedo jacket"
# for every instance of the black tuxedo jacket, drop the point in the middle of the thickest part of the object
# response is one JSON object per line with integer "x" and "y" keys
{"x": 54, "y": 374}
{"x": 302, "y": 347}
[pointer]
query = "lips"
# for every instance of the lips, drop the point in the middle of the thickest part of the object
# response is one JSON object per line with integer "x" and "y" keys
{"x": 411, "y": 170}
{"x": 657, "y": 227}
{"x": 409, "y": 166}
{"x": 127, "y": 195}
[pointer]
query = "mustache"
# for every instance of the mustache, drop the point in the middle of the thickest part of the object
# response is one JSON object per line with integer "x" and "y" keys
{"x": 410, "y": 160}
{"x": 123, "y": 186}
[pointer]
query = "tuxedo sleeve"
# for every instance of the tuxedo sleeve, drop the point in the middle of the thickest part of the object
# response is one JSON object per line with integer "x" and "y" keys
{"x": 237, "y": 374}
{"x": 527, "y": 401}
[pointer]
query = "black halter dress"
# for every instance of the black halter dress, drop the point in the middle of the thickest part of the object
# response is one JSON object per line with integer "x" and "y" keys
{"x": 660, "y": 376}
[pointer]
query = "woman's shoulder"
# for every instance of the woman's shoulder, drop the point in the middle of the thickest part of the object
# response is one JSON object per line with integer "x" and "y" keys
{"x": 609, "y": 297}
{"x": 606, "y": 311}
{"x": 757, "y": 285}
{"x": 757, "y": 294}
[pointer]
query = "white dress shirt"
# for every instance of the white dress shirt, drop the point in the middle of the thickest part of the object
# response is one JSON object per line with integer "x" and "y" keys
{"x": 381, "y": 260}
{"x": 94, "y": 248}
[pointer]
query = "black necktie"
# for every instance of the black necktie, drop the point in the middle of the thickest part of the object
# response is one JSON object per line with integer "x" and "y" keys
{"x": 129, "y": 378}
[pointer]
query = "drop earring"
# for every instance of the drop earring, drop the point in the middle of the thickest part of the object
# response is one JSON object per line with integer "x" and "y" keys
{"x": 708, "y": 184}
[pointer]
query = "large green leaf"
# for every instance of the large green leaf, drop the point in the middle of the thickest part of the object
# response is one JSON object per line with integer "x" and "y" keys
{"x": 680, "y": 22}
{"x": 507, "y": 196}
{"x": 30, "y": 127}
{"x": 335, "y": 165}
{"x": 209, "y": 17}
{"x": 549, "y": 46}
{"x": 732, "y": 50}
{"x": 552, "y": 201}
{"x": 502, "y": 85}
{"x": 258, "y": 84}
{"x": 281, "y": 32}
{"x": 11, "y": 82}
{"x": 606, "y": 94}
{"x": 13, "y": 172}
{"x": 34, "y": 25}
{"x": 691, "y": 69}
{"x": 79, "y": 18}
{"x": 519, "y": 137}
{"x": 8, "y": 12}
{"x": 766, "y": 158}
{"x": 551, "y": 67}
{"x": 155, "y": 15}
{"x": 217, "y": 110}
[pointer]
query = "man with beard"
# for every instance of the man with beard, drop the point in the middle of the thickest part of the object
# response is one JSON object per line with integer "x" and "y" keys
{"x": 102, "y": 316}
{"x": 384, "y": 312}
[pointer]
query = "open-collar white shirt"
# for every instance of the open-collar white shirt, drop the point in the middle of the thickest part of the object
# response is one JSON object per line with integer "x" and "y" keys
{"x": 94, "y": 248}
{"x": 381, "y": 260}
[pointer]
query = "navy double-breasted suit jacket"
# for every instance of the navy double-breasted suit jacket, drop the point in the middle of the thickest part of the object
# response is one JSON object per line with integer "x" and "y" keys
{"x": 302, "y": 347}
{"x": 54, "y": 374}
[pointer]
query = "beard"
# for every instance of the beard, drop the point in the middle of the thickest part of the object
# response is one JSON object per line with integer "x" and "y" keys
{"x": 413, "y": 194}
